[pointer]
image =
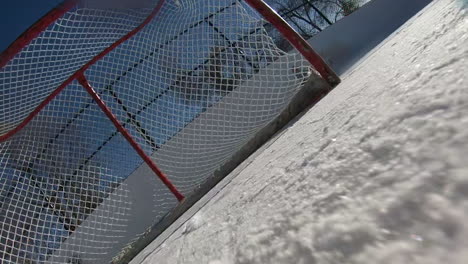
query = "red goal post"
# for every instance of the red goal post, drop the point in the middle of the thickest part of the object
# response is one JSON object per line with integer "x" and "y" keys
{"x": 184, "y": 82}
{"x": 296, "y": 40}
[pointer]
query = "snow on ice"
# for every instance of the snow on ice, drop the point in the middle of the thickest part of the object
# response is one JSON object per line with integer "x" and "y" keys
{"x": 377, "y": 172}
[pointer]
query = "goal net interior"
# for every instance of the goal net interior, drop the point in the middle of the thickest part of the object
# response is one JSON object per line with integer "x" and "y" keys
{"x": 99, "y": 97}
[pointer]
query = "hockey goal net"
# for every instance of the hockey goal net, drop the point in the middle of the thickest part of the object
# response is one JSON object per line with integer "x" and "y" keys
{"x": 98, "y": 93}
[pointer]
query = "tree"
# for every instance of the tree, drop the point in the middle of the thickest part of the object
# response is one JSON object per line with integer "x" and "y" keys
{"x": 303, "y": 15}
{"x": 309, "y": 17}
{"x": 349, "y": 6}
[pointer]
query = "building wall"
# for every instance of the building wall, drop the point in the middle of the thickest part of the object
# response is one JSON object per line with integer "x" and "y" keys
{"x": 347, "y": 41}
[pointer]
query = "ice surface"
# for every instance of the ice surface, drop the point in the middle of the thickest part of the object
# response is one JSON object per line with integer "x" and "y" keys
{"x": 377, "y": 172}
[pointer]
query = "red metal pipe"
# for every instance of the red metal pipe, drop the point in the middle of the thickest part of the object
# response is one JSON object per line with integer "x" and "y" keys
{"x": 59, "y": 89}
{"x": 35, "y": 30}
{"x": 40, "y": 26}
{"x": 82, "y": 80}
{"x": 296, "y": 40}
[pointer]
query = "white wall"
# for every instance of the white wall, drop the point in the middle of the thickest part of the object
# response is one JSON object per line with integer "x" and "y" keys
{"x": 348, "y": 40}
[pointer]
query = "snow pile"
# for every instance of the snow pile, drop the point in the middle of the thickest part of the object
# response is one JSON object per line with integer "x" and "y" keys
{"x": 377, "y": 172}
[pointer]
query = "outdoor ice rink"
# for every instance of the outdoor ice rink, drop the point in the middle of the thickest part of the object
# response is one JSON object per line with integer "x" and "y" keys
{"x": 375, "y": 173}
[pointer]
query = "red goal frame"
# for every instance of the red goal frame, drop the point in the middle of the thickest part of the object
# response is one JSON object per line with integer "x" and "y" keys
{"x": 35, "y": 30}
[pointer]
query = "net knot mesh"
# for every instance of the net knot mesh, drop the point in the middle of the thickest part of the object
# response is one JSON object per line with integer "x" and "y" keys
{"x": 191, "y": 87}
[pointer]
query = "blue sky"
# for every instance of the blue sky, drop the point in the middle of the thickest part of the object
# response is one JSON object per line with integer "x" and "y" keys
{"x": 17, "y": 15}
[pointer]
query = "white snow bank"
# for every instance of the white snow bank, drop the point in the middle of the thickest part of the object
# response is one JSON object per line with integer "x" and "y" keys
{"x": 377, "y": 172}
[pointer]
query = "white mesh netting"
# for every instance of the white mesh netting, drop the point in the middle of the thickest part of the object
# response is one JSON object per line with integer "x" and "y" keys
{"x": 191, "y": 87}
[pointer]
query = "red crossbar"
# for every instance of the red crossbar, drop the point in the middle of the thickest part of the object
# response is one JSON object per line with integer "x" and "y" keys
{"x": 32, "y": 32}
{"x": 42, "y": 25}
{"x": 79, "y": 72}
{"x": 296, "y": 40}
